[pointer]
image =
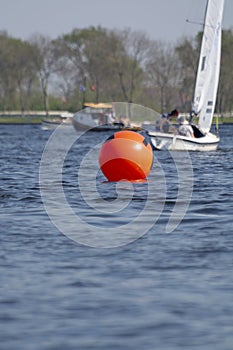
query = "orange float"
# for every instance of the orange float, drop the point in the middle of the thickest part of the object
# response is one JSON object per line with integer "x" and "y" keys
{"x": 127, "y": 155}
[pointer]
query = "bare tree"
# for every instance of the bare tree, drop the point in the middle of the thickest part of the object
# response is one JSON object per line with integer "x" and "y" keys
{"x": 163, "y": 72}
{"x": 130, "y": 61}
{"x": 44, "y": 59}
{"x": 71, "y": 59}
{"x": 188, "y": 53}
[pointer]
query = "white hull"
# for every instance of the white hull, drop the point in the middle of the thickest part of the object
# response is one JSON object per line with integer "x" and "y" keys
{"x": 51, "y": 125}
{"x": 92, "y": 126}
{"x": 86, "y": 122}
{"x": 163, "y": 141}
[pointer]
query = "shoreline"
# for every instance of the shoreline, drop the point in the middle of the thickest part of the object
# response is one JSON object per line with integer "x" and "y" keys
{"x": 15, "y": 118}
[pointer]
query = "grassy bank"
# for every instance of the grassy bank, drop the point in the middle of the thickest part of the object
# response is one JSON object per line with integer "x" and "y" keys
{"x": 20, "y": 120}
{"x": 9, "y": 119}
{"x": 223, "y": 120}
{"x": 30, "y": 117}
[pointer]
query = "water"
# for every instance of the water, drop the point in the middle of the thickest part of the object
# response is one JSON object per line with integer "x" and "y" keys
{"x": 161, "y": 291}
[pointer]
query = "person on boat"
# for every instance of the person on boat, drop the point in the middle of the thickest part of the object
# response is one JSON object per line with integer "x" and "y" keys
{"x": 185, "y": 129}
{"x": 163, "y": 124}
{"x": 119, "y": 121}
{"x": 110, "y": 117}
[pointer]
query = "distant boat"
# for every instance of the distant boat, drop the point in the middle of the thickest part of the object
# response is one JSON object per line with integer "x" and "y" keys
{"x": 51, "y": 122}
{"x": 205, "y": 89}
{"x": 99, "y": 117}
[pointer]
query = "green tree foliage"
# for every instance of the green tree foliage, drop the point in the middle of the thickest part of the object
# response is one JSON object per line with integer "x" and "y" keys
{"x": 43, "y": 58}
{"x": 108, "y": 61}
{"x": 164, "y": 73}
{"x": 225, "y": 95}
{"x": 17, "y": 75}
{"x": 188, "y": 53}
{"x": 95, "y": 64}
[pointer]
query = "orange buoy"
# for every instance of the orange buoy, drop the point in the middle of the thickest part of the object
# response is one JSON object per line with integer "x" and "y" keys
{"x": 127, "y": 155}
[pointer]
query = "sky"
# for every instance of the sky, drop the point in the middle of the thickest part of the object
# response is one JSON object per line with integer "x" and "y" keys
{"x": 160, "y": 19}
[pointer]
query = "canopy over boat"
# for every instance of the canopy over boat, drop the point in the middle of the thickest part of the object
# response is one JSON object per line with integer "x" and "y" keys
{"x": 98, "y": 105}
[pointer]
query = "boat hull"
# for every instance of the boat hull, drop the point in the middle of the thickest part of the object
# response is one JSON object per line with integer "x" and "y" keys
{"x": 51, "y": 125}
{"x": 85, "y": 127}
{"x": 163, "y": 141}
{"x": 80, "y": 126}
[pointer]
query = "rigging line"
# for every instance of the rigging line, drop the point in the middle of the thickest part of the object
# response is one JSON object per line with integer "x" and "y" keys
{"x": 199, "y": 23}
{"x": 216, "y": 125}
{"x": 194, "y": 22}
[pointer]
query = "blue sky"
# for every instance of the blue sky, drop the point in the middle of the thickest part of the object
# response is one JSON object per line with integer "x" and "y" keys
{"x": 160, "y": 19}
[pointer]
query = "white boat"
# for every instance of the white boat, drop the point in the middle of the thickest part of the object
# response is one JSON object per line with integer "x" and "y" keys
{"x": 99, "y": 117}
{"x": 51, "y": 122}
{"x": 205, "y": 92}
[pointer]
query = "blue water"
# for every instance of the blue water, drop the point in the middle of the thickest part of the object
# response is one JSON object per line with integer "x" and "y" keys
{"x": 170, "y": 287}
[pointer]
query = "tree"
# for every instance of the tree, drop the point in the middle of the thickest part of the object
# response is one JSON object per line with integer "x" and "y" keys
{"x": 225, "y": 96}
{"x": 163, "y": 72}
{"x": 71, "y": 62}
{"x": 44, "y": 60}
{"x": 17, "y": 73}
{"x": 188, "y": 54}
{"x": 7, "y": 83}
{"x": 97, "y": 53}
{"x": 97, "y": 64}
{"x": 130, "y": 61}
{"x": 25, "y": 74}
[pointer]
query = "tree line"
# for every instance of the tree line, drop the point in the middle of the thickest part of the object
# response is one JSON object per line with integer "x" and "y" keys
{"x": 100, "y": 65}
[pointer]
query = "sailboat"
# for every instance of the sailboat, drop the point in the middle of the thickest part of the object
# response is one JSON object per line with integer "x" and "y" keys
{"x": 205, "y": 91}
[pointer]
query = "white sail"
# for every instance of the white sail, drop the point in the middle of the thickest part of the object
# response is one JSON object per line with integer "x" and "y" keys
{"x": 209, "y": 65}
